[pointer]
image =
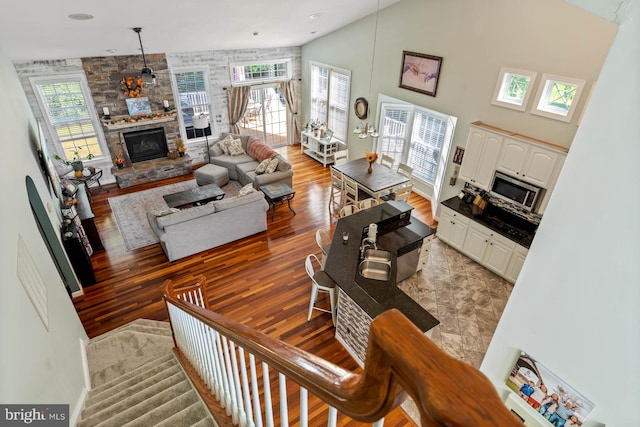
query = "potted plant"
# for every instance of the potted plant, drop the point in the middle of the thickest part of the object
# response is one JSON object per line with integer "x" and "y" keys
{"x": 118, "y": 160}
{"x": 75, "y": 162}
{"x": 181, "y": 148}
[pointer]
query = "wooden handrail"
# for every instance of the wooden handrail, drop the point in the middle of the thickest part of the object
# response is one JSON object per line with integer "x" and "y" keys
{"x": 400, "y": 360}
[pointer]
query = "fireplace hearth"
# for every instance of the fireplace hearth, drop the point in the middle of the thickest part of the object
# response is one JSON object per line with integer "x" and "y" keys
{"x": 148, "y": 144}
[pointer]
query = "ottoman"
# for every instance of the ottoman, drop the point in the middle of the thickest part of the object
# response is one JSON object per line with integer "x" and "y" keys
{"x": 212, "y": 174}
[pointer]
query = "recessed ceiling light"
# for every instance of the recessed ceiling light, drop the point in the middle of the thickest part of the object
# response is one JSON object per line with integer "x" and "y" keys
{"x": 315, "y": 15}
{"x": 81, "y": 16}
{"x": 255, "y": 33}
{"x": 313, "y": 32}
{"x": 112, "y": 50}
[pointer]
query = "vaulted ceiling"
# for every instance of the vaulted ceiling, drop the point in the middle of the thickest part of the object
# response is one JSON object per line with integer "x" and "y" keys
{"x": 31, "y": 30}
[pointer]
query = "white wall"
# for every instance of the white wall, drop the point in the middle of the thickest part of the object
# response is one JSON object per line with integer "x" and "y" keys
{"x": 475, "y": 38}
{"x": 37, "y": 365}
{"x": 575, "y": 305}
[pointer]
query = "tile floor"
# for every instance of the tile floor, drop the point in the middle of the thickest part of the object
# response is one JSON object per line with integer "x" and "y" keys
{"x": 467, "y": 298}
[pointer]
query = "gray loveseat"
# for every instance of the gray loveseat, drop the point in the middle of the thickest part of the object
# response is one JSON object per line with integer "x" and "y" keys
{"x": 242, "y": 167}
{"x": 199, "y": 228}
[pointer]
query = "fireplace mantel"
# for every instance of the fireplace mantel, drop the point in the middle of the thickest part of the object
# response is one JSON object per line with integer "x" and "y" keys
{"x": 127, "y": 122}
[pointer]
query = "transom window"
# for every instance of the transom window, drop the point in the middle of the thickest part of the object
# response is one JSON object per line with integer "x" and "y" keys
{"x": 330, "y": 88}
{"x": 417, "y": 137}
{"x": 252, "y": 73}
{"x": 513, "y": 88}
{"x": 64, "y": 103}
{"x": 557, "y": 97}
{"x": 193, "y": 94}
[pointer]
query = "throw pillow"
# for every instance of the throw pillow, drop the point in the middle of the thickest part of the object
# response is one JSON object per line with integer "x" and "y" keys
{"x": 235, "y": 147}
{"x": 260, "y": 151}
{"x": 216, "y": 150}
{"x": 224, "y": 144}
{"x": 262, "y": 166}
{"x": 165, "y": 212}
{"x": 273, "y": 164}
{"x": 247, "y": 189}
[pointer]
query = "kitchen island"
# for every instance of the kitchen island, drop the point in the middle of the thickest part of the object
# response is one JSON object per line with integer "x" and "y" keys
{"x": 360, "y": 299}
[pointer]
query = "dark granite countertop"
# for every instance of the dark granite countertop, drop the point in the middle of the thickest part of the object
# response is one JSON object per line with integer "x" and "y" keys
{"x": 374, "y": 296}
{"x": 525, "y": 227}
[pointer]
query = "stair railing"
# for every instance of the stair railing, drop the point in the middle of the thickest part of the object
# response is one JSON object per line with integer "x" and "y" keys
{"x": 227, "y": 356}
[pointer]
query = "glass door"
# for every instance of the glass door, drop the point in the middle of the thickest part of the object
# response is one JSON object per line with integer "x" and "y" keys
{"x": 266, "y": 116}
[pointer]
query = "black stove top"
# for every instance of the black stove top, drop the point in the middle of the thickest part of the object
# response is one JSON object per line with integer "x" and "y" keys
{"x": 503, "y": 226}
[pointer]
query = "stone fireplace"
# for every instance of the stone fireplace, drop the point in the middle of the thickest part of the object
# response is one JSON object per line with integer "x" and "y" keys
{"x": 147, "y": 144}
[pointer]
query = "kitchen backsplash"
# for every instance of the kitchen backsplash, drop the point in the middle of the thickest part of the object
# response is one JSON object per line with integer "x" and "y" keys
{"x": 503, "y": 204}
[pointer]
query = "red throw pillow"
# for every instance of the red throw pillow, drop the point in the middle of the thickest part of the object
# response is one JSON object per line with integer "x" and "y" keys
{"x": 260, "y": 150}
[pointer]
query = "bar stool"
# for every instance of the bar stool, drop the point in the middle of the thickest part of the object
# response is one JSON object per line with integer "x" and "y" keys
{"x": 324, "y": 242}
{"x": 320, "y": 283}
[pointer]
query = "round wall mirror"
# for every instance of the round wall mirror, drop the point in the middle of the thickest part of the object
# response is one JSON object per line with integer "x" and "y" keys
{"x": 361, "y": 108}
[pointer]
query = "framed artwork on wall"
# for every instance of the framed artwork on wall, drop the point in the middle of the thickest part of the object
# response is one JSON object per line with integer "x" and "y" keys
{"x": 420, "y": 72}
{"x": 138, "y": 106}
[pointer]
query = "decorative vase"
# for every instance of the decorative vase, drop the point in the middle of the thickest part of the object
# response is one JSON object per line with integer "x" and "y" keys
{"x": 370, "y": 168}
{"x": 180, "y": 153}
{"x": 78, "y": 174}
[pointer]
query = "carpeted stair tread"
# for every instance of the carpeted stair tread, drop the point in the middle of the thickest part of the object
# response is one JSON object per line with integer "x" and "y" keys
{"x": 156, "y": 365}
{"x": 194, "y": 415}
{"x": 120, "y": 353}
{"x": 140, "y": 403}
{"x": 132, "y": 386}
{"x": 168, "y": 410}
{"x": 156, "y": 328}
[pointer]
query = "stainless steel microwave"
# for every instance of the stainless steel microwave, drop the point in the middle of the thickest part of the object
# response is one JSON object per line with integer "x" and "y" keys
{"x": 518, "y": 192}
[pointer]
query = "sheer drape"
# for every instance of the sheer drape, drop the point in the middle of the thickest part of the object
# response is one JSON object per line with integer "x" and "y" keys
{"x": 237, "y": 100}
{"x": 289, "y": 90}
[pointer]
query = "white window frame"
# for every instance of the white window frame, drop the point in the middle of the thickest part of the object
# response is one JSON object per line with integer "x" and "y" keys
{"x": 340, "y": 134}
{"x": 93, "y": 116}
{"x": 235, "y": 81}
{"x": 408, "y": 144}
{"x": 542, "y": 107}
{"x": 176, "y": 96}
{"x": 501, "y": 96}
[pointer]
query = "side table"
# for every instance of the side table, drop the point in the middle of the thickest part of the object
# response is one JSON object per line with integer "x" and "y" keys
{"x": 278, "y": 193}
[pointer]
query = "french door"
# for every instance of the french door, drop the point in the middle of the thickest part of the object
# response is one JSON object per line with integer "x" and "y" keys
{"x": 266, "y": 116}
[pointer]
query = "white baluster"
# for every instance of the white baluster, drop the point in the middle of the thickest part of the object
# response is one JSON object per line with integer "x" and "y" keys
{"x": 333, "y": 416}
{"x": 304, "y": 407}
{"x": 233, "y": 398}
{"x": 245, "y": 387}
{"x": 268, "y": 404}
{"x": 284, "y": 411}
{"x": 225, "y": 365}
{"x": 255, "y": 391}
{"x": 236, "y": 381}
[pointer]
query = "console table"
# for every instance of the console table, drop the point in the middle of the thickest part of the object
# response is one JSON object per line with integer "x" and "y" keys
{"x": 317, "y": 148}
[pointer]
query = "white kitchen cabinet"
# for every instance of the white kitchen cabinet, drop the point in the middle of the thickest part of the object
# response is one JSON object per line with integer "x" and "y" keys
{"x": 529, "y": 162}
{"x": 488, "y": 247}
{"x": 452, "y": 227}
{"x": 516, "y": 262}
{"x": 480, "y": 157}
{"x": 423, "y": 258}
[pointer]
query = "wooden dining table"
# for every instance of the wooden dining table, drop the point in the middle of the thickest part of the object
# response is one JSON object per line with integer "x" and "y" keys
{"x": 377, "y": 183}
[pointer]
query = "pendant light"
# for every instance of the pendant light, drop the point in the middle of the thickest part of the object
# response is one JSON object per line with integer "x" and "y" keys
{"x": 146, "y": 74}
{"x": 365, "y": 130}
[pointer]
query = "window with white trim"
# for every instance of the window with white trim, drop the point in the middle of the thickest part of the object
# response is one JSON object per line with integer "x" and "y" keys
{"x": 330, "y": 91}
{"x": 193, "y": 92}
{"x": 72, "y": 122}
{"x": 557, "y": 97}
{"x": 513, "y": 88}
{"x": 417, "y": 137}
{"x": 252, "y": 73}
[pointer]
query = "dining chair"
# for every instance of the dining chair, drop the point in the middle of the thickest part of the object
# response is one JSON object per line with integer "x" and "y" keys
{"x": 387, "y": 161}
{"x": 347, "y": 210}
{"x": 340, "y": 157}
{"x": 367, "y": 203}
{"x": 350, "y": 191}
{"x": 405, "y": 170}
{"x": 402, "y": 194}
{"x": 337, "y": 189}
{"x": 324, "y": 242}
{"x": 320, "y": 282}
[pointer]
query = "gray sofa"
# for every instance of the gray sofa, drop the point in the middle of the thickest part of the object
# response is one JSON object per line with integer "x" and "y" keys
{"x": 199, "y": 228}
{"x": 242, "y": 167}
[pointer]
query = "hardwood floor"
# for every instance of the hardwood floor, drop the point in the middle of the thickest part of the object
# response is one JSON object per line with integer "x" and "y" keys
{"x": 259, "y": 281}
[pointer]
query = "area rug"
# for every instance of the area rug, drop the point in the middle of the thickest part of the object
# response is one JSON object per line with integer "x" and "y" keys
{"x": 130, "y": 211}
